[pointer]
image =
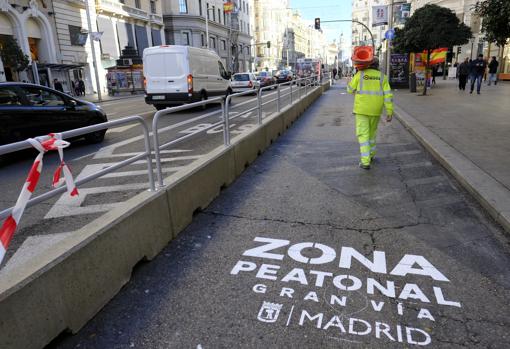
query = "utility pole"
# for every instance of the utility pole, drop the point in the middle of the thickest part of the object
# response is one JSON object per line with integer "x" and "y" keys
{"x": 93, "y": 46}
{"x": 388, "y": 50}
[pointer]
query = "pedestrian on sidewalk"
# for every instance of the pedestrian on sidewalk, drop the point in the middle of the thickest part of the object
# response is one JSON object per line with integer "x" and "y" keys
{"x": 57, "y": 85}
{"x": 463, "y": 72}
{"x": 477, "y": 70}
{"x": 371, "y": 91}
{"x": 493, "y": 69}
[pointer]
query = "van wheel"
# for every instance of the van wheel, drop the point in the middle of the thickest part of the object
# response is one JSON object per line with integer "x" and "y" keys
{"x": 203, "y": 97}
{"x": 160, "y": 107}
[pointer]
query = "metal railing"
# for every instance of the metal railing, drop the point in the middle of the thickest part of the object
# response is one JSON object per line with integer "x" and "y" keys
{"x": 13, "y": 147}
{"x": 225, "y": 118}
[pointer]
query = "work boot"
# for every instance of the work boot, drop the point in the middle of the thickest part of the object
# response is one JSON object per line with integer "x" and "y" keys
{"x": 363, "y": 166}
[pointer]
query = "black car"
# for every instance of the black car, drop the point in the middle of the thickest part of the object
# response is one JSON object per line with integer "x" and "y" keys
{"x": 28, "y": 110}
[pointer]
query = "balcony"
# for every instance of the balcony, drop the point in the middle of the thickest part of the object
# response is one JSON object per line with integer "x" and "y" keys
{"x": 115, "y": 7}
{"x": 154, "y": 18}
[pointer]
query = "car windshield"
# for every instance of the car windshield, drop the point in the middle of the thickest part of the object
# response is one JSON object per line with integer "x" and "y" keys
{"x": 241, "y": 77}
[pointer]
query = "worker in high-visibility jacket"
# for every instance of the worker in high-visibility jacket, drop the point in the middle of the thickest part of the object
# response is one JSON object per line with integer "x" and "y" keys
{"x": 372, "y": 91}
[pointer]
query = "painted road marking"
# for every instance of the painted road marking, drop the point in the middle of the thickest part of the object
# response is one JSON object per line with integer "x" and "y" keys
{"x": 121, "y": 129}
{"x": 71, "y": 205}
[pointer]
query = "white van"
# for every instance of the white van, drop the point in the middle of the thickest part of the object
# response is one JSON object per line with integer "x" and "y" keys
{"x": 183, "y": 74}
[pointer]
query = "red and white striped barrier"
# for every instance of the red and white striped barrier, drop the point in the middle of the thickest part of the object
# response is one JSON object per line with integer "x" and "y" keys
{"x": 11, "y": 223}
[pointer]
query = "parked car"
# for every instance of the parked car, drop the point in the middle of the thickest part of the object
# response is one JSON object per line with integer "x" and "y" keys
{"x": 284, "y": 76}
{"x": 266, "y": 79}
{"x": 244, "y": 81}
{"x": 183, "y": 74}
{"x": 28, "y": 110}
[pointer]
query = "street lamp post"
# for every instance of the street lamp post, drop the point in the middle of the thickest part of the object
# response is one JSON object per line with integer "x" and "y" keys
{"x": 93, "y": 46}
{"x": 207, "y": 26}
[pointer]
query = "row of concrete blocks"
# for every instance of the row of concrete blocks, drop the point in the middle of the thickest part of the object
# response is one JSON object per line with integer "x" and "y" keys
{"x": 63, "y": 289}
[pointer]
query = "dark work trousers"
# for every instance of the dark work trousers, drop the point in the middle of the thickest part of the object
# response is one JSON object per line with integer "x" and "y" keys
{"x": 462, "y": 82}
{"x": 478, "y": 79}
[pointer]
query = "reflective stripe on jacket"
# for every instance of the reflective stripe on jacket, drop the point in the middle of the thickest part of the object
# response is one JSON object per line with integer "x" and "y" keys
{"x": 372, "y": 91}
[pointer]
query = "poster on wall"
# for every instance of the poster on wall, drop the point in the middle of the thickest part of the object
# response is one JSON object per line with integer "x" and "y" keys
{"x": 379, "y": 15}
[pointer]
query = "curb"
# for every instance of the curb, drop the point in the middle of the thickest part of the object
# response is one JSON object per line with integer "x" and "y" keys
{"x": 492, "y": 195}
{"x": 62, "y": 289}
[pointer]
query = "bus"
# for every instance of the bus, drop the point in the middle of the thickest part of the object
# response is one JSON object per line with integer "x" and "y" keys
{"x": 306, "y": 67}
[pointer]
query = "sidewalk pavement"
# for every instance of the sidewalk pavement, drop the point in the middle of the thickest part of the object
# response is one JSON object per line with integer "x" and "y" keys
{"x": 306, "y": 250}
{"x": 469, "y": 135}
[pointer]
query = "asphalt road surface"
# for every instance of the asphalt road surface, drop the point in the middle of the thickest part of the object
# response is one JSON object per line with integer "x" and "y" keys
{"x": 306, "y": 250}
{"x": 64, "y": 214}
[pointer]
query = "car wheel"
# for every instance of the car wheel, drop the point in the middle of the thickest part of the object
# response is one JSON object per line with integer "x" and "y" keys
{"x": 203, "y": 97}
{"x": 160, "y": 107}
{"x": 95, "y": 137}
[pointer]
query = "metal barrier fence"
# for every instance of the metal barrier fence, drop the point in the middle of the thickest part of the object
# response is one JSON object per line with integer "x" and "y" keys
{"x": 226, "y": 118}
{"x": 13, "y": 147}
{"x": 308, "y": 83}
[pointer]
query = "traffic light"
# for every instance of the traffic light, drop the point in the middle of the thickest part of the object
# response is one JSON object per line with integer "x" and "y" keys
{"x": 318, "y": 23}
{"x": 268, "y": 44}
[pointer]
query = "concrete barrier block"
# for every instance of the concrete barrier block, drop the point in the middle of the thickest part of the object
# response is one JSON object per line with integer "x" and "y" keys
{"x": 194, "y": 189}
{"x": 247, "y": 147}
{"x": 64, "y": 288}
{"x": 273, "y": 128}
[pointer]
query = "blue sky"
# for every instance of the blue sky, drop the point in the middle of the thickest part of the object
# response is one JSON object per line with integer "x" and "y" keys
{"x": 327, "y": 10}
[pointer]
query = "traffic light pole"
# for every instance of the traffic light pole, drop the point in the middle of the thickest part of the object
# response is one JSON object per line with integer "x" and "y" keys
{"x": 351, "y": 20}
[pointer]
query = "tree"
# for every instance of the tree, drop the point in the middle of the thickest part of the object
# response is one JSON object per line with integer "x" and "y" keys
{"x": 429, "y": 28}
{"x": 11, "y": 54}
{"x": 495, "y": 16}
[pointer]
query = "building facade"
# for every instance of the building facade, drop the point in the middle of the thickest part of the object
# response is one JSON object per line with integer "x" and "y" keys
{"x": 230, "y": 34}
{"x": 55, "y": 36}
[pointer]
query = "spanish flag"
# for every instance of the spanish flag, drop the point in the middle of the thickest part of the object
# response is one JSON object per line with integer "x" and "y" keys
{"x": 228, "y": 7}
{"x": 436, "y": 56}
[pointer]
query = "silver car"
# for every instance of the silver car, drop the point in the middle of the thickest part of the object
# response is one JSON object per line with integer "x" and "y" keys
{"x": 245, "y": 81}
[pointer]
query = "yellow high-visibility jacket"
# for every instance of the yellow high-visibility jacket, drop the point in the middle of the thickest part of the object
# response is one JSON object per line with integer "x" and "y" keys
{"x": 372, "y": 91}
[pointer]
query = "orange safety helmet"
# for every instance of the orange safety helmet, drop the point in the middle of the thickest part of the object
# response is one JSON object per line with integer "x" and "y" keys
{"x": 362, "y": 57}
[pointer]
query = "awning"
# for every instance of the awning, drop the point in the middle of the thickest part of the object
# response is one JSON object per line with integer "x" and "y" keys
{"x": 56, "y": 66}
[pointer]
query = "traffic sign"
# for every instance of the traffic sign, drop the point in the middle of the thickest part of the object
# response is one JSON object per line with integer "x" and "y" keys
{"x": 390, "y": 34}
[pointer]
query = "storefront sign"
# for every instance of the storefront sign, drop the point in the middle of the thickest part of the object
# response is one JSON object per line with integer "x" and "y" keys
{"x": 332, "y": 278}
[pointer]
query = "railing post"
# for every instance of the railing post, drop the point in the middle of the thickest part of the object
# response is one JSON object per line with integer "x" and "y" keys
{"x": 278, "y": 99}
{"x": 157, "y": 156}
{"x": 226, "y": 122}
{"x": 259, "y": 105}
{"x": 291, "y": 93}
{"x": 149, "y": 156}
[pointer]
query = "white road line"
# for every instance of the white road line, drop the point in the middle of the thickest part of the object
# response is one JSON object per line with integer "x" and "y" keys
{"x": 71, "y": 205}
{"x": 172, "y": 151}
{"x": 290, "y": 315}
{"x": 121, "y": 129}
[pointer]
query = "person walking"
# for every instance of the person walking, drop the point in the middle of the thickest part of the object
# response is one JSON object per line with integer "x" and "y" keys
{"x": 477, "y": 69}
{"x": 371, "y": 92}
{"x": 493, "y": 69}
{"x": 81, "y": 87}
{"x": 58, "y": 85}
{"x": 334, "y": 73}
{"x": 463, "y": 71}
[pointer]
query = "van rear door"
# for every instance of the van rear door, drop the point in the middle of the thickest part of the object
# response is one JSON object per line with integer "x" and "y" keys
{"x": 166, "y": 72}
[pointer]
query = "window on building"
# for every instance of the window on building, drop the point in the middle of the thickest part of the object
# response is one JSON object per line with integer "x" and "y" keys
{"x": 208, "y": 11}
{"x": 200, "y": 8}
{"x": 202, "y": 38}
{"x": 77, "y": 37}
{"x": 186, "y": 38}
{"x": 183, "y": 6}
{"x": 219, "y": 15}
{"x": 137, "y": 4}
{"x": 248, "y": 9}
{"x": 213, "y": 14}
{"x": 153, "y": 6}
{"x": 122, "y": 1}
{"x": 223, "y": 45}
{"x": 212, "y": 43}
{"x": 224, "y": 18}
